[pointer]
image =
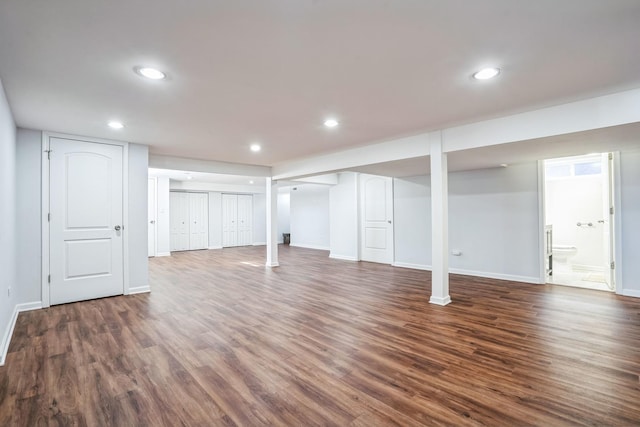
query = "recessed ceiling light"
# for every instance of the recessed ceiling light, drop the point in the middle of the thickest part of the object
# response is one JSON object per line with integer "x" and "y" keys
{"x": 331, "y": 123}
{"x": 115, "y": 124}
{"x": 150, "y": 73}
{"x": 251, "y": 182}
{"x": 255, "y": 147}
{"x": 486, "y": 73}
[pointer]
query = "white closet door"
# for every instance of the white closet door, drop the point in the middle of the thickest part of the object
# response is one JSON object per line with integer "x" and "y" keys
{"x": 198, "y": 221}
{"x": 179, "y": 220}
{"x": 245, "y": 220}
{"x": 229, "y": 220}
{"x": 376, "y": 205}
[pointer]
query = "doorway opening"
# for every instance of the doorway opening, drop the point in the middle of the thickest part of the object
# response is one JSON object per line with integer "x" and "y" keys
{"x": 579, "y": 226}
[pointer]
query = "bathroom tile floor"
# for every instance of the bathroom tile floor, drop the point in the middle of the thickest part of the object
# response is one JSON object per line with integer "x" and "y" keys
{"x": 565, "y": 276}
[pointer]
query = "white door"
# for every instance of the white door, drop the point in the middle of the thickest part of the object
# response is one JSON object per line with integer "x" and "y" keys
{"x": 245, "y": 220}
{"x": 608, "y": 223}
{"x": 86, "y": 206}
{"x": 151, "y": 218}
{"x": 198, "y": 221}
{"x": 179, "y": 221}
{"x": 376, "y": 219}
{"x": 229, "y": 218}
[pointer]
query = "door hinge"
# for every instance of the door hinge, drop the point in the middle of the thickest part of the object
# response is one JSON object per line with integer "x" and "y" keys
{"x": 49, "y": 279}
{"x": 48, "y": 154}
{"x": 611, "y": 210}
{"x": 613, "y": 265}
{"x": 610, "y": 156}
{"x": 49, "y": 217}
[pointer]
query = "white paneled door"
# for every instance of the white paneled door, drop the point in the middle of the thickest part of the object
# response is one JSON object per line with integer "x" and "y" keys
{"x": 151, "y": 218}
{"x": 198, "y": 221}
{"x": 237, "y": 220}
{"x": 376, "y": 207}
{"x": 86, "y": 225}
{"x": 179, "y": 221}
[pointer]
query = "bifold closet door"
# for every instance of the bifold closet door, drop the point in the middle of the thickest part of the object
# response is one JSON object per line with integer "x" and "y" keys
{"x": 229, "y": 220}
{"x": 245, "y": 220}
{"x": 198, "y": 221}
{"x": 179, "y": 221}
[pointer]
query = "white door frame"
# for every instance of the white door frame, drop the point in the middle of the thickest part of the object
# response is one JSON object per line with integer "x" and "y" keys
{"x": 46, "y": 137}
{"x": 617, "y": 222}
{"x": 155, "y": 215}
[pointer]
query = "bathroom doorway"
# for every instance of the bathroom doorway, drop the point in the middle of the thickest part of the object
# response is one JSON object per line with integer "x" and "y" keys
{"x": 578, "y": 218}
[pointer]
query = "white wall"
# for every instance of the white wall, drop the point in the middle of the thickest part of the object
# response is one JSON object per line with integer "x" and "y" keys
{"x": 163, "y": 245}
{"x": 215, "y": 220}
{"x": 211, "y": 186}
{"x": 28, "y": 227}
{"x": 310, "y": 216}
{"x": 343, "y": 217}
{"x": 284, "y": 213}
{"x": 137, "y": 228}
{"x": 630, "y": 213}
{"x": 493, "y": 221}
{"x": 8, "y": 221}
{"x": 259, "y": 219}
{"x": 412, "y": 217}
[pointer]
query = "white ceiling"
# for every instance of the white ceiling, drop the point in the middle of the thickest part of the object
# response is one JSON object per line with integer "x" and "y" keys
{"x": 270, "y": 71}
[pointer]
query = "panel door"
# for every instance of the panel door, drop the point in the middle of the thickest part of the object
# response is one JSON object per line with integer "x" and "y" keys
{"x": 376, "y": 207}
{"x": 245, "y": 220}
{"x": 198, "y": 221}
{"x": 86, "y": 245}
{"x": 229, "y": 218}
{"x": 151, "y": 218}
{"x": 179, "y": 221}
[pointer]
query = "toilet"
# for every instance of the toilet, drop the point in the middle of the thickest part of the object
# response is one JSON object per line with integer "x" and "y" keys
{"x": 563, "y": 253}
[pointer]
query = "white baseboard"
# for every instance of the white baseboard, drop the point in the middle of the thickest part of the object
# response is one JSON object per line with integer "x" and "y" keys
{"x": 163, "y": 254}
{"x": 343, "y": 257}
{"x": 273, "y": 264}
{"x": 499, "y": 276}
{"x": 631, "y": 293}
{"x": 302, "y": 245}
{"x": 259, "y": 243}
{"x": 139, "y": 290}
{"x": 6, "y": 339}
{"x": 440, "y": 300}
{"x": 214, "y": 247}
{"x": 413, "y": 266}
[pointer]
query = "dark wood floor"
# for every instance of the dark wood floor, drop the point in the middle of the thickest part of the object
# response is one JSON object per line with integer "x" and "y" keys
{"x": 223, "y": 341}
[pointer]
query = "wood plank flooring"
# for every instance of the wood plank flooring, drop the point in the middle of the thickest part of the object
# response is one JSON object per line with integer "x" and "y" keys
{"x": 222, "y": 340}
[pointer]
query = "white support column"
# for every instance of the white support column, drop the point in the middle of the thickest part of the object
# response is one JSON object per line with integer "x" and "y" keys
{"x": 272, "y": 222}
{"x": 439, "y": 222}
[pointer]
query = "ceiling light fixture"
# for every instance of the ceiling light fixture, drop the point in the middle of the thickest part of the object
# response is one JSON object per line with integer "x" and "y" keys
{"x": 115, "y": 124}
{"x": 150, "y": 73}
{"x": 486, "y": 73}
{"x": 331, "y": 123}
{"x": 251, "y": 182}
{"x": 255, "y": 148}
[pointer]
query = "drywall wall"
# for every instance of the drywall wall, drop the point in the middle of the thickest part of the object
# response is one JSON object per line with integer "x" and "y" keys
{"x": 137, "y": 228}
{"x": 222, "y": 188}
{"x": 215, "y": 220}
{"x": 412, "y": 222}
{"x": 630, "y": 218}
{"x": 343, "y": 217}
{"x": 493, "y": 221}
{"x": 259, "y": 219}
{"x": 310, "y": 216}
{"x": 284, "y": 213}
{"x": 163, "y": 245}
{"x": 8, "y": 221}
{"x": 29, "y": 228}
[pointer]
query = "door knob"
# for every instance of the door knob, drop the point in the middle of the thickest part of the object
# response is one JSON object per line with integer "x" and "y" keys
{"x": 117, "y": 228}
{"x": 389, "y": 221}
{"x": 152, "y": 222}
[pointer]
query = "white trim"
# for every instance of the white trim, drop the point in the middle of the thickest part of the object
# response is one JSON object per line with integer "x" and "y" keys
{"x": 499, "y": 276}
{"x": 139, "y": 290}
{"x": 211, "y": 248}
{"x": 46, "y": 137}
{"x": 320, "y": 248}
{"x": 440, "y": 301}
{"x": 542, "y": 219}
{"x": 343, "y": 257}
{"x": 155, "y": 213}
{"x": 631, "y": 293}
{"x": 617, "y": 224}
{"x": 160, "y": 254}
{"x": 412, "y": 266}
{"x": 272, "y": 264}
{"x": 8, "y": 333}
{"x": 260, "y": 243}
